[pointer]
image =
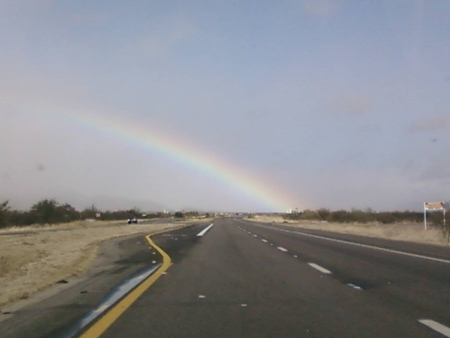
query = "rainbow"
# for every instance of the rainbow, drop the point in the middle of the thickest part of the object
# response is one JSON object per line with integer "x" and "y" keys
{"x": 188, "y": 155}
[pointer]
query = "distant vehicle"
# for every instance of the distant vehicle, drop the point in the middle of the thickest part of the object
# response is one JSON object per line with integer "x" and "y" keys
{"x": 132, "y": 220}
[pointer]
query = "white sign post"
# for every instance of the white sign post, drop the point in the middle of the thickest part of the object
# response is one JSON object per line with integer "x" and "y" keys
{"x": 432, "y": 206}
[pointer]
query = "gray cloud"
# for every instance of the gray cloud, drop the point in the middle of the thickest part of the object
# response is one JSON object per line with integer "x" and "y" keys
{"x": 277, "y": 96}
{"x": 437, "y": 168}
{"x": 431, "y": 124}
{"x": 320, "y": 8}
{"x": 160, "y": 41}
{"x": 352, "y": 103}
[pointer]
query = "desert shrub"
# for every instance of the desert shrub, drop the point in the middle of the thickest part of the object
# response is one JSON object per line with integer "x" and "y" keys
{"x": 178, "y": 214}
{"x": 356, "y": 215}
{"x": 4, "y": 214}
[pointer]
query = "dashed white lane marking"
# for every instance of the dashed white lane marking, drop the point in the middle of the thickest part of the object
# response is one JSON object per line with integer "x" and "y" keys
{"x": 295, "y": 256}
{"x": 255, "y": 236}
{"x": 363, "y": 245}
{"x": 264, "y": 240}
{"x": 318, "y": 267}
{"x": 282, "y": 249}
{"x": 354, "y": 286}
{"x": 201, "y": 296}
{"x": 243, "y": 305}
{"x": 442, "y": 329}
{"x": 205, "y": 230}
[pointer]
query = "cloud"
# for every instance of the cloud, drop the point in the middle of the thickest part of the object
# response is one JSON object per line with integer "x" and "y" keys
{"x": 320, "y": 8}
{"x": 87, "y": 18}
{"x": 160, "y": 42}
{"x": 352, "y": 103}
{"x": 433, "y": 124}
{"x": 437, "y": 169}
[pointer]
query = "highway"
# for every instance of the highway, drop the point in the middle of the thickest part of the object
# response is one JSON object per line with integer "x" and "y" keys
{"x": 247, "y": 280}
{"x": 243, "y": 279}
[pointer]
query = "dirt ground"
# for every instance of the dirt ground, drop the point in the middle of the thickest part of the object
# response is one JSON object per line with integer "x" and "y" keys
{"x": 409, "y": 232}
{"x": 33, "y": 258}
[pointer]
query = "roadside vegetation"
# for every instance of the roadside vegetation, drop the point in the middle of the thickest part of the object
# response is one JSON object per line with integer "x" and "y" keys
{"x": 368, "y": 216}
{"x": 365, "y": 216}
{"x": 49, "y": 211}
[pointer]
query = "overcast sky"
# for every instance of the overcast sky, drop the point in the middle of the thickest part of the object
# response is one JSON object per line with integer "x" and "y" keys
{"x": 338, "y": 104}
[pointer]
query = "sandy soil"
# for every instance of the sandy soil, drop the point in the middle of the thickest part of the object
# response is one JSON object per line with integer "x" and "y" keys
{"x": 33, "y": 258}
{"x": 409, "y": 232}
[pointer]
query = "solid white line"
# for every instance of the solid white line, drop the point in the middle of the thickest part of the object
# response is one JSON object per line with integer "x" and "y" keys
{"x": 205, "y": 230}
{"x": 365, "y": 246}
{"x": 318, "y": 267}
{"x": 282, "y": 249}
{"x": 354, "y": 286}
{"x": 442, "y": 329}
{"x": 264, "y": 240}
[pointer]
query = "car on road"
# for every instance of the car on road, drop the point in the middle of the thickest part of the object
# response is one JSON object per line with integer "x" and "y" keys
{"x": 132, "y": 220}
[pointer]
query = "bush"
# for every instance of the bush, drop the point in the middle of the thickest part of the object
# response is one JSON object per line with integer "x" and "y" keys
{"x": 356, "y": 215}
{"x": 178, "y": 214}
{"x": 46, "y": 211}
{"x": 4, "y": 214}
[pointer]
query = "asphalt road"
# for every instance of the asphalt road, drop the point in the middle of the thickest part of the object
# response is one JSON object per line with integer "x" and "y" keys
{"x": 62, "y": 307}
{"x": 245, "y": 279}
{"x": 248, "y": 280}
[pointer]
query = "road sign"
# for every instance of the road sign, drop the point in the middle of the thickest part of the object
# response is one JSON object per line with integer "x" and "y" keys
{"x": 432, "y": 206}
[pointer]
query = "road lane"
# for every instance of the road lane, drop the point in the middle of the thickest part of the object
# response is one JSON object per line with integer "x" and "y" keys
{"x": 416, "y": 287}
{"x": 232, "y": 284}
{"x": 52, "y": 317}
{"x": 61, "y": 311}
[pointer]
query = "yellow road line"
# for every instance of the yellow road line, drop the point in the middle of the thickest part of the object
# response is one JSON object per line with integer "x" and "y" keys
{"x": 117, "y": 310}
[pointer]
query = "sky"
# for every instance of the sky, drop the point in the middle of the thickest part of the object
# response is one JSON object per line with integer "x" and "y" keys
{"x": 225, "y": 105}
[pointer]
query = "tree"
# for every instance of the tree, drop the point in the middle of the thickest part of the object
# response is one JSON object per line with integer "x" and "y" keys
{"x": 324, "y": 214}
{"x": 67, "y": 213}
{"x": 178, "y": 214}
{"x": 46, "y": 211}
{"x": 4, "y": 214}
{"x": 90, "y": 212}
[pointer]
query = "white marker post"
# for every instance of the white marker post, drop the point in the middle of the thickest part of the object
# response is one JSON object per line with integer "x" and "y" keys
{"x": 425, "y": 215}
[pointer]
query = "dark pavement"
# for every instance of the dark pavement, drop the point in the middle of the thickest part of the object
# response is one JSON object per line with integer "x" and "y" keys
{"x": 232, "y": 283}
{"x": 118, "y": 260}
{"x": 245, "y": 279}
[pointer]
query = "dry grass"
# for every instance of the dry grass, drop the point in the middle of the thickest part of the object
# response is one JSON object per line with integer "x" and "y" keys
{"x": 409, "y": 232}
{"x": 32, "y": 261}
{"x": 74, "y": 224}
